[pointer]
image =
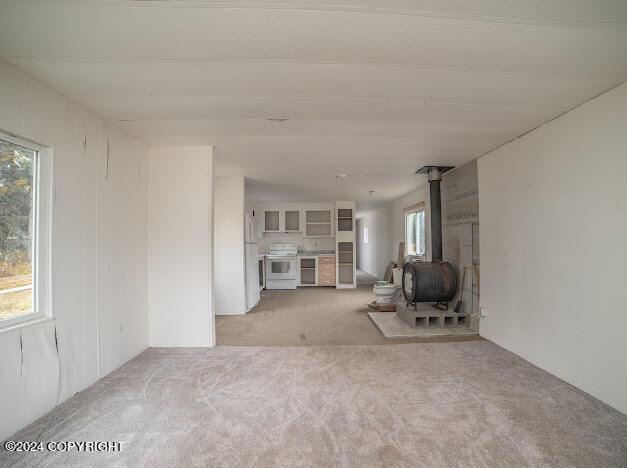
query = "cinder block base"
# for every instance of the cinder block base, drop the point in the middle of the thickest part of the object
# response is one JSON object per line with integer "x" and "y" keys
{"x": 429, "y": 317}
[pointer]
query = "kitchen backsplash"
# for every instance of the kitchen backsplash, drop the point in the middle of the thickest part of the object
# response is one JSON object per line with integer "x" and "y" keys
{"x": 304, "y": 243}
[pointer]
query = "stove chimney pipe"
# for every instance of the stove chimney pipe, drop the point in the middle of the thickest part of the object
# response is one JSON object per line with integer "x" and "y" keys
{"x": 435, "y": 178}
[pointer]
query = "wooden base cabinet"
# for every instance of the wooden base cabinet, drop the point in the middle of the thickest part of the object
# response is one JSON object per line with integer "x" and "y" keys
{"x": 326, "y": 271}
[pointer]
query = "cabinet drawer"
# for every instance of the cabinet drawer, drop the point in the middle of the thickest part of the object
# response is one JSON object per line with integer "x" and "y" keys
{"x": 327, "y": 268}
{"x": 326, "y": 278}
{"x": 326, "y": 260}
{"x": 326, "y": 282}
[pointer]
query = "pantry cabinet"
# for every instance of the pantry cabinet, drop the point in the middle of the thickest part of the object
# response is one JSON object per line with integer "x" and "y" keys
{"x": 345, "y": 246}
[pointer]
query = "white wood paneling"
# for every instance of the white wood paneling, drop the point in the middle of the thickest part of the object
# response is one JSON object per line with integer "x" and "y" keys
{"x": 92, "y": 223}
{"x": 10, "y": 382}
{"x": 374, "y": 89}
{"x": 40, "y": 371}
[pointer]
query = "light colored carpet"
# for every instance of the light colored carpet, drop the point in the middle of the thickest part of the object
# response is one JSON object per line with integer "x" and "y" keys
{"x": 434, "y": 404}
{"x": 309, "y": 317}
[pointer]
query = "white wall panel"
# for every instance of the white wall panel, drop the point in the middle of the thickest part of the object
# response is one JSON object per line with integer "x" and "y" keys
{"x": 180, "y": 231}
{"x": 121, "y": 220}
{"x": 84, "y": 236}
{"x": 10, "y": 382}
{"x": 40, "y": 371}
{"x": 374, "y": 256}
{"x": 44, "y": 115}
{"x": 66, "y": 237}
{"x": 87, "y": 369}
{"x": 553, "y": 229}
{"x": 11, "y": 95}
{"x": 229, "y": 261}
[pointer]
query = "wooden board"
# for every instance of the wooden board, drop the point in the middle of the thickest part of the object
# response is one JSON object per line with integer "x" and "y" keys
{"x": 387, "y": 276}
{"x": 382, "y": 307}
{"x": 400, "y": 263}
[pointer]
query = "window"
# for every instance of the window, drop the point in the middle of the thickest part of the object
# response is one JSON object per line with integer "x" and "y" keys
{"x": 415, "y": 231}
{"x": 365, "y": 234}
{"x": 23, "y": 228}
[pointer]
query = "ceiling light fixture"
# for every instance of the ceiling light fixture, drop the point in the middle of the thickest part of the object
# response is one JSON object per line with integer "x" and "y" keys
{"x": 277, "y": 119}
{"x": 340, "y": 177}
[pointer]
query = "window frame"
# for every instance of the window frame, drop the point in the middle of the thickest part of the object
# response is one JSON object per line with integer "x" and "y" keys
{"x": 42, "y": 234}
{"x": 420, "y": 208}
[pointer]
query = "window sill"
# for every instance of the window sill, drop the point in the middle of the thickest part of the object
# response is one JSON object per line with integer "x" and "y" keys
{"x": 24, "y": 324}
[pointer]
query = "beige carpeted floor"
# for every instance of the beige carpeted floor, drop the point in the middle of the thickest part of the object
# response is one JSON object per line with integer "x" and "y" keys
{"x": 430, "y": 404}
{"x": 310, "y": 317}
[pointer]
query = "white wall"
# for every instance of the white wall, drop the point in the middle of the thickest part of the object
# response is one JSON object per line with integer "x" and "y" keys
{"x": 553, "y": 223}
{"x": 374, "y": 256}
{"x": 99, "y": 254}
{"x": 386, "y": 225}
{"x": 228, "y": 259}
{"x": 180, "y": 230}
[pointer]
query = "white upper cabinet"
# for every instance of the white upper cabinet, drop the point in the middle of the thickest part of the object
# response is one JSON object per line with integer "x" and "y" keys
{"x": 278, "y": 219}
{"x": 318, "y": 223}
{"x": 310, "y": 219}
{"x": 291, "y": 221}
{"x": 272, "y": 221}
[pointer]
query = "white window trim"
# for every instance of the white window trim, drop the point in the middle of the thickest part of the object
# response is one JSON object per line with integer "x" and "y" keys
{"x": 419, "y": 207}
{"x": 42, "y": 235}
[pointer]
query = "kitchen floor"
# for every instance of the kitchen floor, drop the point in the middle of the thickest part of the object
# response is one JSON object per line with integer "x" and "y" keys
{"x": 311, "y": 316}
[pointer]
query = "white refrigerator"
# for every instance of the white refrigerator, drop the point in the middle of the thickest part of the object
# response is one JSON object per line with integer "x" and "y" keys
{"x": 252, "y": 264}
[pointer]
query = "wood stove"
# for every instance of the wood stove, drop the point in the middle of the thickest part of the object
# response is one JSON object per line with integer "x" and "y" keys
{"x": 432, "y": 281}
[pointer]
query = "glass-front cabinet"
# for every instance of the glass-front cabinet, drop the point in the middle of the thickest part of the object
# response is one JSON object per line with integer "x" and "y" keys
{"x": 345, "y": 244}
{"x": 272, "y": 220}
{"x": 281, "y": 220}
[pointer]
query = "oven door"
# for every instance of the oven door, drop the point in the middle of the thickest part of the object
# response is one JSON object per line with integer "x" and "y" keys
{"x": 280, "y": 268}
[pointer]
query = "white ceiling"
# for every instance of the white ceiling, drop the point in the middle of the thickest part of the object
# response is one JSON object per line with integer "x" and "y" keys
{"x": 371, "y": 88}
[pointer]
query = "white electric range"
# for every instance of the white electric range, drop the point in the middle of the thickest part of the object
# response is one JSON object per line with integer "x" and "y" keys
{"x": 281, "y": 268}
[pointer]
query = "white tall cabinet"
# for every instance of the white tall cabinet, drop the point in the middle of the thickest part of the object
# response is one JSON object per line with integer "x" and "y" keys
{"x": 345, "y": 245}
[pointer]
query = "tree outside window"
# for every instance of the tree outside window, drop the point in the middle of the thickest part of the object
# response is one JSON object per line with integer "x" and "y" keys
{"x": 415, "y": 232}
{"x": 17, "y": 169}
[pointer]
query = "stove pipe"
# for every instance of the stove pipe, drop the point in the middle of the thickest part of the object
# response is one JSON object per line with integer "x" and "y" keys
{"x": 435, "y": 177}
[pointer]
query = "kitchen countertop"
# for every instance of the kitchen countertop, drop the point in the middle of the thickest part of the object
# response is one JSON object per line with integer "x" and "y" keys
{"x": 316, "y": 253}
